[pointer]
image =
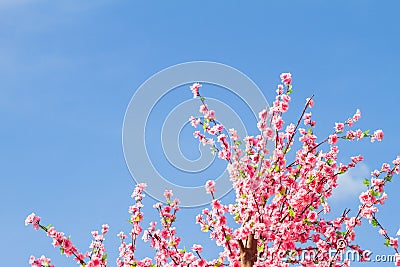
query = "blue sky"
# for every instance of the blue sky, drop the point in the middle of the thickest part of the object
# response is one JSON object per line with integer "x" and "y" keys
{"x": 68, "y": 70}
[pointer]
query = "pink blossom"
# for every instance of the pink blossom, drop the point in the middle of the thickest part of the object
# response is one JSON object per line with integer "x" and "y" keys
{"x": 397, "y": 160}
{"x": 350, "y": 122}
{"x": 385, "y": 167}
{"x": 194, "y": 122}
{"x": 121, "y": 235}
{"x": 210, "y": 115}
{"x": 286, "y": 98}
{"x": 195, "y": 89}
{"x": 310, "y": 102}
{"x": 357, "y": 115}
{"x": 210, "y": 186}
{"x": 312, "y": 216}
{"x": 105, "y": 228}
{"x": 34, "y": 220}
{"x": 394, "y": 242}
{"x": 67, "y": 244}
{"x": 224, "y": 154}
{"x": 168, "y": 194}
{"x": 367, "y": 198}
{"x": 42, "y": 261}
{"x": 218, "y": 128}
{"x": 333, "y": 139}
{"x": 279, "y": 90}
{"x": 357, "y": 159}
{"x": 286, "y": 78}
{"x": 378, "y": 134}
{"x": 339, "y": 127}
{"x": 29, "y": 219}
{"x": 278, "y": 122}
{"x": 94, "y": 262}
{"x": 197, "y": 248}
{"x": 203, "y": 108}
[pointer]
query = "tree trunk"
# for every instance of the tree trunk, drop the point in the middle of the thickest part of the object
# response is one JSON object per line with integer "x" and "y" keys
{"x": 248, "y": 252}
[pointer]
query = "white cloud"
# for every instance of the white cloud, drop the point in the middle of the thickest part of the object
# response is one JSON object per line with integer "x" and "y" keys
{"x": 351, "y": 183}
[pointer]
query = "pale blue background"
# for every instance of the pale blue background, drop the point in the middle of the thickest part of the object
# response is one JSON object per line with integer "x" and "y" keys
{"x": 69, "y": 68}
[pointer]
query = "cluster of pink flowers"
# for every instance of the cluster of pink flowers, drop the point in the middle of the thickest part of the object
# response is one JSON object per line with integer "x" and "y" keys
{"x": 42, "y": 261}
{"x": 279, "y": 202}
{"x": 281, "y": 198}
{"x": 96, "y": 257}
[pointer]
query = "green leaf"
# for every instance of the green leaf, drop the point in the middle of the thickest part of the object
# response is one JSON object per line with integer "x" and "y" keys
{"x": 375, "y": 193}
{"x": 291, "y": 212}
{"x": 62, "y": 250}
{"x": 322, "y": 200}
{"x": 388, "y": 178}
{"x": 290, "y": 90}
{"x": 286, "y": 150}
{"x": 309, "y": 131}
{"x": 366, "y": 182}
{"x": 104, "y": 257}
{"x": 238, "y": 143}
{"x": 374, "y": 223}
{"x": 365, "y": 133}
{"x": 387, "y": 242}
{"x": 213, "y": 151}
{"x": 228, "y": 237}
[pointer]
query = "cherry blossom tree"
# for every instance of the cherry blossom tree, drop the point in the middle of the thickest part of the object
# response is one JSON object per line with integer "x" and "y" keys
{"x": 282, "y": 198}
